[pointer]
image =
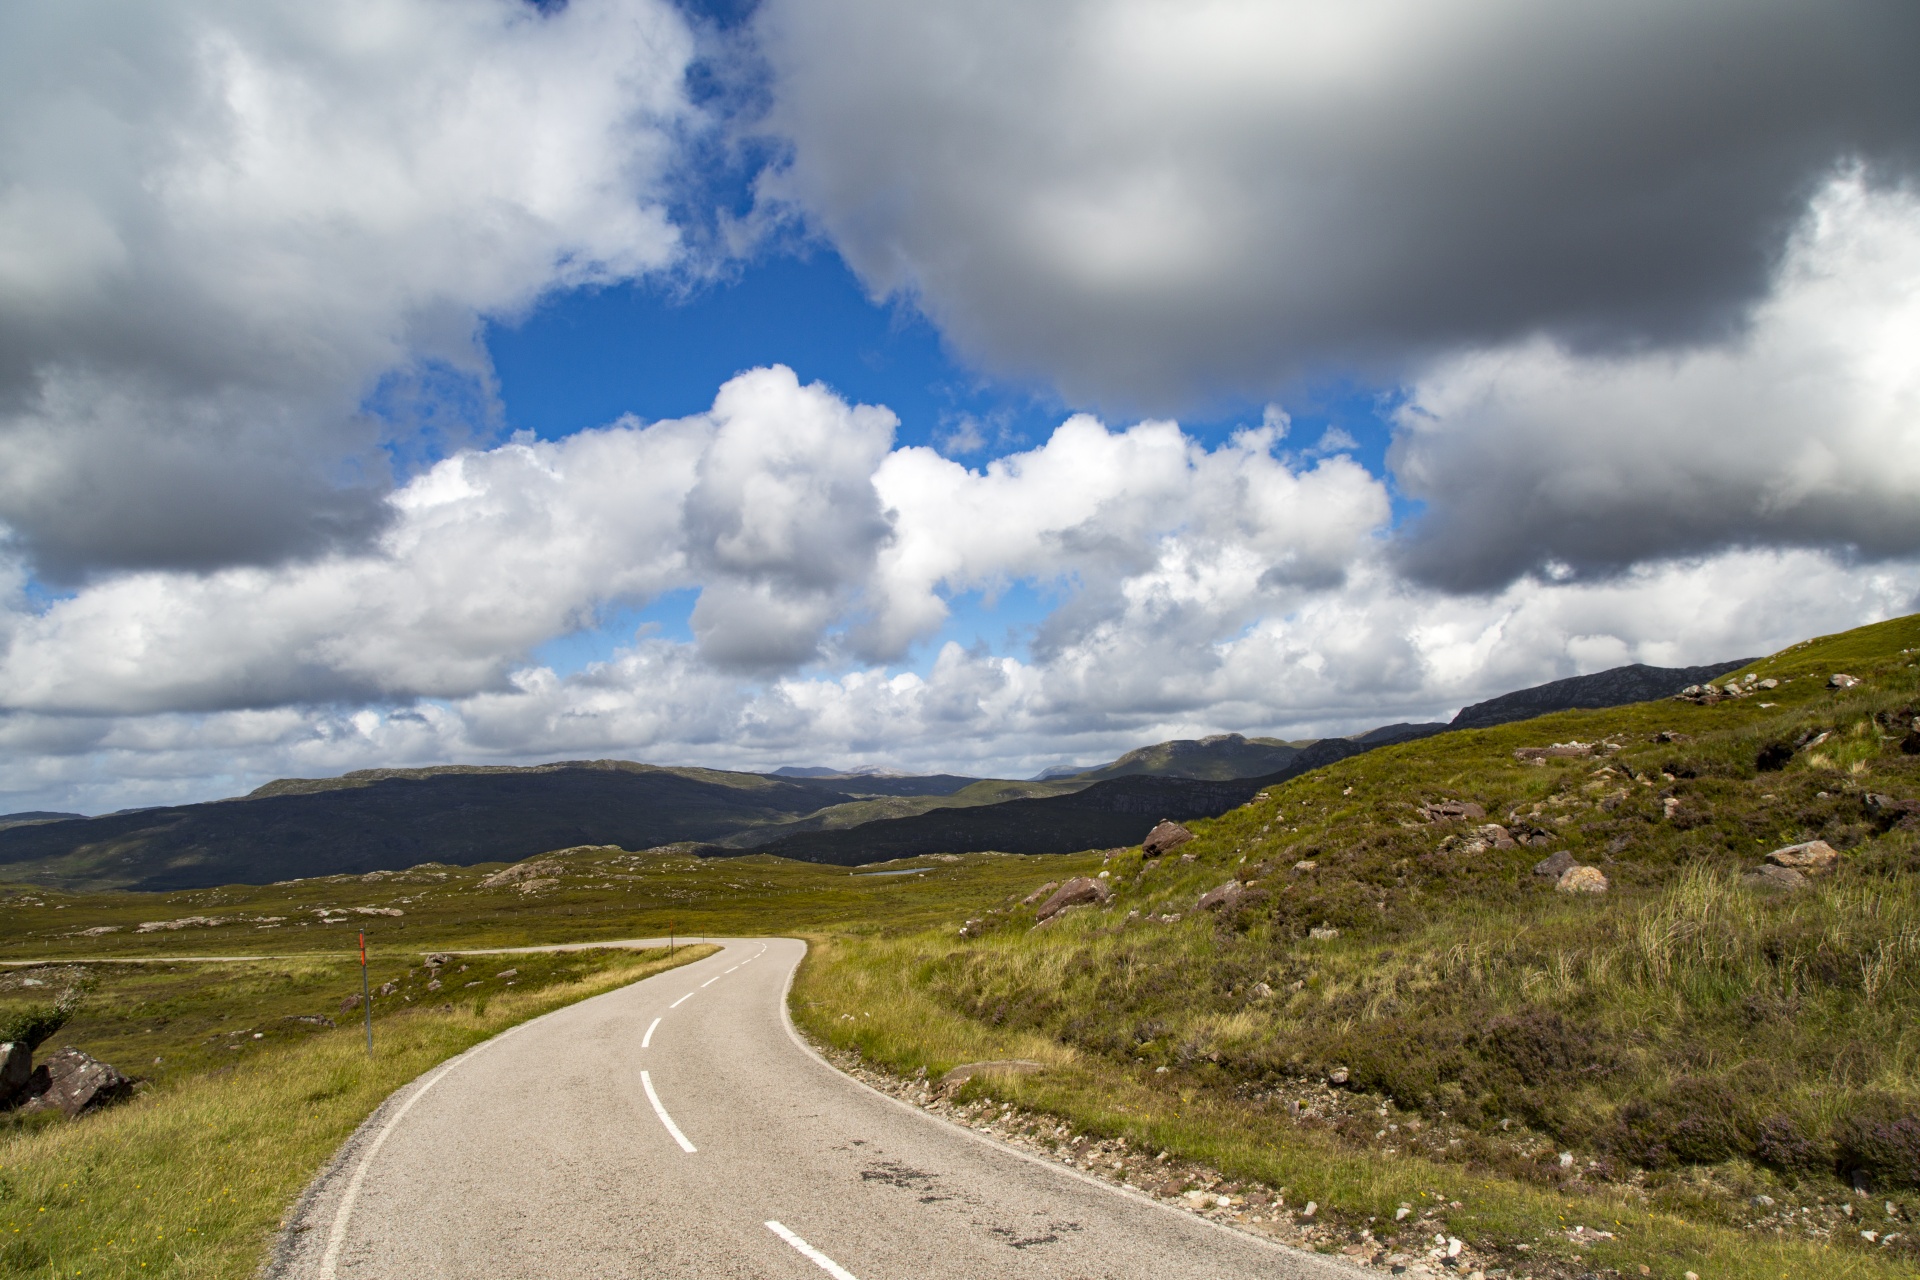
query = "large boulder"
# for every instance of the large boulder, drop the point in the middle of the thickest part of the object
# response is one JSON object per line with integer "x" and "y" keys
{"x": 77, "y": 1083}
{"x": 1169, "y": 835}
{"x": 1556, "y": 866}
{"x": 1810, "y": 858}
{"x": 1040, "y": 894}
{"x": 1582, "y": 880}
{"x": 1076, "y": 892}
{"x": 1772, "y": 879}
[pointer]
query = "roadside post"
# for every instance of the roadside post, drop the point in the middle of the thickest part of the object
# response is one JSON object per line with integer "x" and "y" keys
{"x": 669, "y": 939}
{"x": 366, "y": 992}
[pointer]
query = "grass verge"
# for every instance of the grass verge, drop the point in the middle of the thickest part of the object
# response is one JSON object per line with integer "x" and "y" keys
{"x": 869, "y": 996}
{"x": 191, "y": 1178}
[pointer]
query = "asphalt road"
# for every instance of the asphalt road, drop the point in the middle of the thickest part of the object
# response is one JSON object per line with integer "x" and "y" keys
{"x": 678, "y": 1127}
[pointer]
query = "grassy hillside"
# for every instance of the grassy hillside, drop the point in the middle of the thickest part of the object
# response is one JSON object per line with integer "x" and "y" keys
{"x": 1395, "y": 1001}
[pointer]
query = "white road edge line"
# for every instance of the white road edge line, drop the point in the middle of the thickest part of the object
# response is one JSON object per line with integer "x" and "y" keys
{"x": 330, "y": 1260}
{"x": 665, "y": 1119}
{"x": 647, "y": 1040}
{"x": 682, "y": 1000}
{"x": 811, "y": 1254}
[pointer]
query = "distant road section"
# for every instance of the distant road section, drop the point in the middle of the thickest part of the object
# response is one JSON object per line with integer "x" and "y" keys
{"x": 676, "y": 1127}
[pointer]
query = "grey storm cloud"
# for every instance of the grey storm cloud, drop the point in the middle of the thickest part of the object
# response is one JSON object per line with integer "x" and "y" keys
{"x": 1151, "y": 204}
{"x": 224, "y": 225}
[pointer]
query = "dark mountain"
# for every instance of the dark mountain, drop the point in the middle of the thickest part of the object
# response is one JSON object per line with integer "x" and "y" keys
{"x": 1118, "y": 811}
{"x": 1615, "y": 688}
{"x": 1219, "y": 758}
{"x": 35, "y": 815}
{"x": 457, "y": 815}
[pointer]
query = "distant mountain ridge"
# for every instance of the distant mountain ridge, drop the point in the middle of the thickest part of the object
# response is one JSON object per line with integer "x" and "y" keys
{"x": 384, "y": 819}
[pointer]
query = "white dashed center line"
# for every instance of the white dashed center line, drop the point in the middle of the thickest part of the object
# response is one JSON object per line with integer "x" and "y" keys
{"x": 682, "y": 1000}
{"x": 646, "y": 1082}
{"x": 715, "y": 978}
{"x": 648, "y": 1038}
{"x": 812, "y": 1254}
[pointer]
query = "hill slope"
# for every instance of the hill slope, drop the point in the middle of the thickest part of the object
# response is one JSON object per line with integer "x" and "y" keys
{"x": 1373, "y": 981}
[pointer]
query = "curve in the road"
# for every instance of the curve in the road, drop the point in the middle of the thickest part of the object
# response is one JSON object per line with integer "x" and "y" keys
{"x": 681, "y": 1127}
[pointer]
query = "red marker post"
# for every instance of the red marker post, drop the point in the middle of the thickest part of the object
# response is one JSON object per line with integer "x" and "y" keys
{"x": 366, "y": 993}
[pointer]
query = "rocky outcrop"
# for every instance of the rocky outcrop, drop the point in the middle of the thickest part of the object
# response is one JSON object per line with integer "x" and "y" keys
{"x": 1077, "y": 892}
{"x": 75, "y": 1083}
{"x": 1841, "y": 680}
{"x": 525, "y": 871}
{"x": 1558, "y": 751}
{"x": 1450, "y": 810}
{"x": 1164, "y": 838}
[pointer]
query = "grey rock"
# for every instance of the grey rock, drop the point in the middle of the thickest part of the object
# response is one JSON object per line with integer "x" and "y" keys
{"x": 1772, "y": 879}
{"x": 1556, "y": 866}
{"x": 1809, "y": 858}
{"x": 1164, "y": 838}
{"x": 1040, "y": 894}
{"x": 77, "y": 1083}
{"x": 1449, "y": 810}
{"x": 1323, "y": 933}
{"x": 1076, "y": 892}
{"x": 1841, "y": 680}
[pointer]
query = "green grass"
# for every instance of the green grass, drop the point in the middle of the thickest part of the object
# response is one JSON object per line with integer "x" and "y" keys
{"x": 1692, "y": 1043}
{"x": 191, "y": 1178}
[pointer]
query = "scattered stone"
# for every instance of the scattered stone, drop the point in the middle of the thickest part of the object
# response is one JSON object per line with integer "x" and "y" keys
{"x": 1449, "y": 810}
{"x": 1582, "y": 880}
{"x": 1262, "y": 991}
{"x": 1306, "y": 864}
{"x": 1040, "y": 894}
{"x": 1223, "y": 897}
{"x": 1556, "y": 866}
{"x": 1323, "y": 933}
{"x": 386, "y": 988}
{"x": 537, "y": 884}
{"x": 438, "y": 958}
{"x": 1339, "y": 1075}
{"x": 1810, "y": 858}
{"x": 76, "y": 1083}
{"x": 99, "y": 929}
{"x": 1165, "y": 838}
{"x": 1497, "y": 836}
{"x": 1076, "y": 892}
{"x": 309, "y": 1019}
{"x": 998, "y": 1066}
{"x": 507, "y": 973}
{"x": 1774, "y": 879}
{"x": 1841, "y": 680}
{"x": 433, "y": 985}
{"x": 353, "y": 1002}
{"x": 1669, "y": 806}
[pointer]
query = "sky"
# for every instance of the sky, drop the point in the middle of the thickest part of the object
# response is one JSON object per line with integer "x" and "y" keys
{"x": 961, "y": 386}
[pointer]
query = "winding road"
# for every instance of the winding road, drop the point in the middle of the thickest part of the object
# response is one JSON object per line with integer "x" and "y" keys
{"x": 679, "y": 1127}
